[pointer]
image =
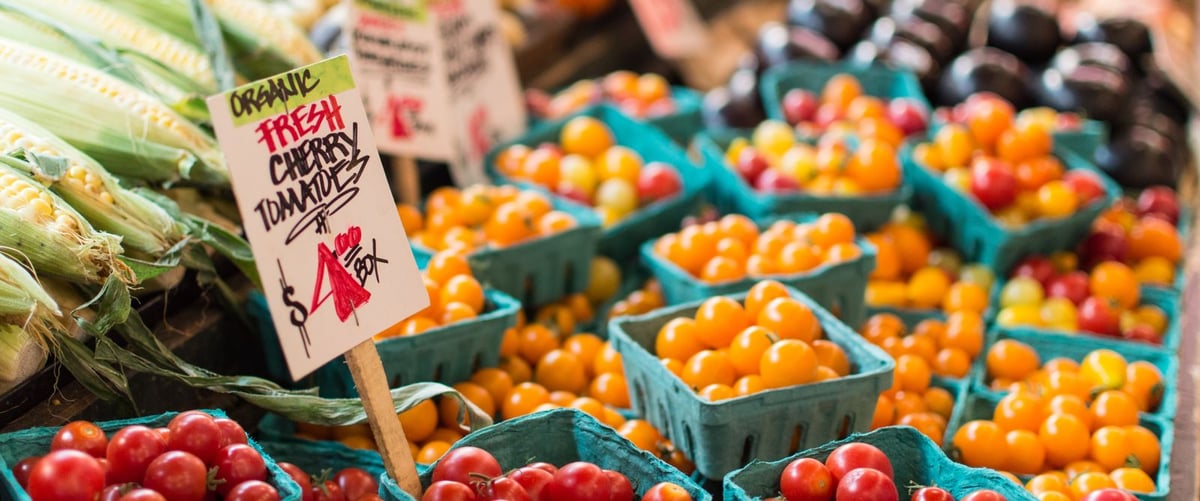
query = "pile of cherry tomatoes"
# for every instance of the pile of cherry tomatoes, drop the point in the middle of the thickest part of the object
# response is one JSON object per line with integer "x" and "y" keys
{"x": 1106, "y": 302}
{"x": 856, "y": 471}
{"x": 471, "y": 473}
{"x": 910, "y": 272}
{"x": 1141, "y": 233}
{"x": 731, "y": 349}
{"x": 733, "y": 248}
{"x": 1005, "y": 162}
{"x": 842, "y": 104}
{"x": 587, "y": 166}
{"x": 482, "y": 216}
{"x": 640, "y": 96}
{"x": 455, "y": 295}
{"x": 194, "y": 458}
{"x": 348, "y": 484}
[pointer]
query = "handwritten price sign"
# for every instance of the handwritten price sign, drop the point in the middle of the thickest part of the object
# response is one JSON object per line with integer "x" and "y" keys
{"x": 336, "y": 265}
{"x": 439, "y": 80}
{"x": 673, "y": 27}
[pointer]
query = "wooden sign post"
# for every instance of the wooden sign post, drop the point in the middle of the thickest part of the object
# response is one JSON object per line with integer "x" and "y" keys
{"x": 335, "y": 262}
{"x": 438, "y": 80}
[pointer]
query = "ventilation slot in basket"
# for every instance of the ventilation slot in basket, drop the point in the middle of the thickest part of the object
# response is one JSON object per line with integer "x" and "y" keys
{"x": 747, "y": 449}
{"x": 847, "y": 425}
{"x": 797, "y": 439}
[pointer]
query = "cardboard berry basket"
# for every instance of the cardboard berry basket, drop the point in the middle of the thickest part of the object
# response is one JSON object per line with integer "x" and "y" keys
{"x": 680, "y": 125}
{"x": 916, "y": 461}
{"x": 316, "y": 457}
{"x": 876, "y": 80}
{"x": 837, "y": 286}
{"x": 971, "y": 229}
{"x": 620, "y": 240}
{"x": 448, "y": 353}
{"x": 980, "y": 406}
{"x": 19, "y": 445}
{"x": 1166, "y": 300}
{"x": 1050, "y": 345}
{"x": 732, "y": 194}
{"x": 559, "y": 437}
{"x": 723, "y": 436}
{"x": 541, "y": 270}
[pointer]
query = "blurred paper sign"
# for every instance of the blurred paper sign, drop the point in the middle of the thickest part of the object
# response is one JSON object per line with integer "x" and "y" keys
{"x": 673, "y": 27}
{"x": 438, "y": 79}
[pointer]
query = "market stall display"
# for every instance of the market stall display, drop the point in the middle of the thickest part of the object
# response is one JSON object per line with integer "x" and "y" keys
{"x": 924, "y": 250}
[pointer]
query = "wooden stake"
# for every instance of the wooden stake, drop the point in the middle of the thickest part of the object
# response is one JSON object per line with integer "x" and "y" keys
{"x": 407, "y": 179}
{"x": 372, "y": 384}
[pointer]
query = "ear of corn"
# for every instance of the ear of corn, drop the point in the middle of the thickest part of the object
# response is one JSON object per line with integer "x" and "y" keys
{"x": 260, "y": 43}
{"x": 119, "y": 29}
{"x": 21, "y": 295}
{"x": 128, "y": 130}
{"x": 176, "y": 90}
{"x": 42, "y": 229}
{"x": 21, "y": 355}
{"x": 143, "y": 226}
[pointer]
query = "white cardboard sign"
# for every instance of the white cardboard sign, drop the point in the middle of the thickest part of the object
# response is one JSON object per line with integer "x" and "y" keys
{"x": 335, "y": 263}
{"x": 673, "y": 27}
{"x": 439, "y": 79}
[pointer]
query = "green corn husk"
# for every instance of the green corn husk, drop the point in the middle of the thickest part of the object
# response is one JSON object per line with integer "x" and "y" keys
{"x": 176, "y": 90}
{"x": 142, "y": 225}
{"x": 119, "y": 29}
{"x": 131, "y": 132}
{"x": 21, "y": 296}
{"x": 57, "y": 241}
{"x": 260, "y": 44}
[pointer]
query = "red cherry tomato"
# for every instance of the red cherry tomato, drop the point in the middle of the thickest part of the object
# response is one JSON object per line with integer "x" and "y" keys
{"x": 253, "y": 490}
{"x": 579, "y": 481}
{"x": 806, "y": 479}
{"x": 369, "y": 497}
{"x": 549, "y": 468}
{"x": 658, "y": 181}
{"x": 356, "y": 483}
{"x": 301, "y": 478}
{"x": 502, "y": 489}
{"x": 620, "y": 487}
{"x": 532, "y": 479}
{"x": 238, "y": 463}
{"x": 458, "y": 465}
{"x": 1099, "y": 316}
{"x": 165, "y": 433}
{"x": 993, "y": 184}
{"x": 666, "y": 491}
{"x": 1038, "y": 268}
{"x": 81, "y": 436}
{"x": 177, "y": 475}
{"x": 932, "y": 494}
{"x": 328, "y": 491}
{"x": 22, "y": 469}
{"x": 196, "y": 433}
{"x": 231, "y": 432}
{"x": 447, "y": 490}
{"x": 1109, "y": 494}
{"x": 984, "y": 495}
{"x": 867, "y": 484}
{"x": 143, "y": 495}
{"x": 130, "y": 451}
{"x": 857, "y": 455}
{"x": 1087, "y": 186}
{"x": 115, "y": 491}
{"x": 66, "y": 475}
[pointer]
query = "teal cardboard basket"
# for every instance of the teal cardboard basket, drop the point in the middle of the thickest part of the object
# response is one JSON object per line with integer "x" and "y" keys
{"x": 723, "y": 436}
{"x": 315, "y": 456}
{"x": 1083, "y": 142}
{"x": 19, "y": 445}
{"x": 620, "y": 240}
{"x": 680, "y": 126}
{"x": 733, "y": 195}
{"x": 916, "y": 461}
{"x": 971, "y": 229}
{"x": 559, "y": 437}
{"x": 981, "y": 407}
{"x": 542, "y": 270}
{"x": 1166, "y": 300}
{"x": 876, "y": 80}
{"x": 838, "y": 286}
{"x": 1076, "y": 348}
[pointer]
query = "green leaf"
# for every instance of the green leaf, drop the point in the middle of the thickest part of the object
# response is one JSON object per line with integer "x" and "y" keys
{"x": 208, "y": 31}
{"x": 111, "y": 304}
{"x": 232, "y": 246}
{"x": 51, "y": 167}
{"x": 102, "y": 380}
